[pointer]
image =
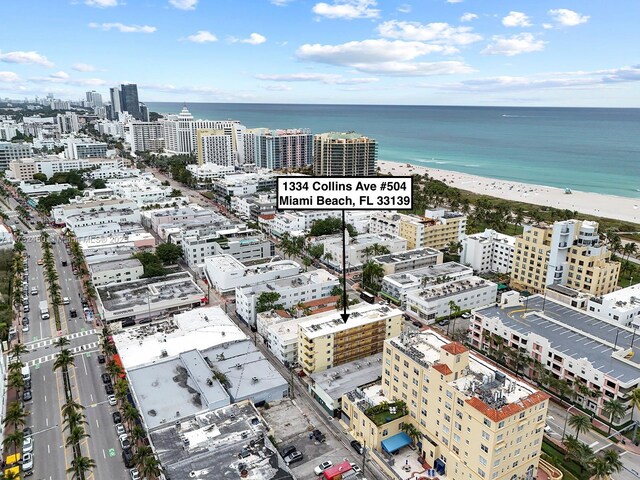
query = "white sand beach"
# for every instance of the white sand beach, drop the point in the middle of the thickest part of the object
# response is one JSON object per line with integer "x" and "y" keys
{"x": 608, "y": 206}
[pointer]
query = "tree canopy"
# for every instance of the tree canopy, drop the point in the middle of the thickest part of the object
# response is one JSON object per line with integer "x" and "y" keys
{"x": 168, "y": 253}
{"x": 330, "y": 226}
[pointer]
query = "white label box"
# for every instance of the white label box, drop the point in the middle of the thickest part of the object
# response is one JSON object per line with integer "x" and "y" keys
{"x": 344, "y": 193}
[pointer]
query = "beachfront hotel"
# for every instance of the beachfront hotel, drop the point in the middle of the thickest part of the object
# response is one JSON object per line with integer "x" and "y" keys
{"x": 595, "y": 357}
{"x": 344, "y": 154}
{"x": 476, "y": 421}
{"x": 566, "y": 253}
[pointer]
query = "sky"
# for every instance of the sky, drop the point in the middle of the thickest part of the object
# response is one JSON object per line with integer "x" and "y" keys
{"x": 581, "y": 53}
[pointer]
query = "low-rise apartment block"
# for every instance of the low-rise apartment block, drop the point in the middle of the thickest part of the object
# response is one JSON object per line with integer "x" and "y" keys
{"x": 292, "y": 290}
{"x": 409, "y": 260}
{"x": 396, "y": 286}
{"x": 117, "y": 271}
{"x": 567, "y": 253}
{"x": 358, "y": 249}
{"x": 595, "y": 357}
{"x": 621, "y": 306}
{"x": 431, "y": 303}
{"x": 224, "y": 272}
{"x": 10, "y": 151}
{"x": 125, "y": 209}
{"x": 488, "y": 251}
{"x": 325, "y": 341}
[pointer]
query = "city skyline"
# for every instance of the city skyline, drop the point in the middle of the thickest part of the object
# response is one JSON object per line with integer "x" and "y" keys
{"x": 434, "y": 52}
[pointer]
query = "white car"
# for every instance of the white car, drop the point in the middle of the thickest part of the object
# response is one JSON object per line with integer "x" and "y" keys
{"x": 27, "y": 462}
{"x": 27, "y": 445}
{"x": 112, "y": 400}
{"x": 134, "y": 474}
{"x": 65, "y": 301}
{"x": 120, "y": 430}
{"x": 322, "y": 467}
{"x": 124, "y": 441}
{"x": 547, "y": 429}
{"x": 355, "y": 468}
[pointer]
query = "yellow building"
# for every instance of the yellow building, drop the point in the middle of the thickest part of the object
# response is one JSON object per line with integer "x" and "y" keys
{"x": 566, "y": 253}
{"x": 473, "y": 421}
{"x": 325, "y": 341}
{"x": 215, "y": 146}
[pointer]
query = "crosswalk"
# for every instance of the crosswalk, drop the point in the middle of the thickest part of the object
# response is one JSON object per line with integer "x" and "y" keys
{"x": 49, "y": 341}
{"x": 88, "y": 348}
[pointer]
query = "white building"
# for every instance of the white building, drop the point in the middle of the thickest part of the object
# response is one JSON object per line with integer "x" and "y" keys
{"x": 9, "y": 129}
{"x": 209, "y": 171}
{"x": 144, "y": 189}
{"x": 49, "y": 165}
{"x": 82, "y": 206}
{"x": 144, "y": 136}
{"x": 621, "y": 306}
{"x": 292, "y": 290}
{"x": 225, "y": 273}
{"x": 117, "y": 271}
{"x": 98, "y": 217}
{"x": 106, "y": 127}
{"x": 243, "y": 183}
{"x": 431, "y": 303}
{"x": 68, "y": 122}
{"x": 6, "y": 237}
{"x": 215, "y": 147}
{"x": 282, "y": 339}
{"x": 409, "y": 260}
{"x": 76, "y": 148}
{"x": 13, "y": 151}
{"x": 279, "y": 149}
{"x": 396, "y": 286}
{"x": 488, "y": 251}
{"x": 356, "y": 253}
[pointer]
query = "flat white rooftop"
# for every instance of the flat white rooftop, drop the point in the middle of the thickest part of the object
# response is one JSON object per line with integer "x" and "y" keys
{"x": 201, "y": 329}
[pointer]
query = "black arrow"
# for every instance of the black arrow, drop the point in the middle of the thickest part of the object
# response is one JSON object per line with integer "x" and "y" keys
{"x": 344, "y": 314}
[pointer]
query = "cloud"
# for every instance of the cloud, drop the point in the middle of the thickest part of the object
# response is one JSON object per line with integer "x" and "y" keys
{"x": 65, "y": 78}
{"x": 558, "y": 80}
{"x": 455, "y": 1}
{"x": 25, "y": 57}
{"x": 567, "y": 18}
{"x": 278, "y": 88}
{"x": 281, "y": 3}
{"x": 253, "y": 39}
{"x": 9, "y": 77}
{"x": 123, "y": 28}
{"x": 184, "y": 4}
{"x": 404, "y": 8}
{"x": 327, "y": 78}
{"x": 468, "y": 17}
{"x": 347, "y": 9}
{"x": 84, "y": 67}
{"x": 202, "y": 36}
{"x": 101, "y": 3}
{"x": 210, "y": 92}
{"x": 516, "y": 19}
{"x": 416, "y": 69}
{"x": 368, "y": 52}
{"x": 431, "y": 32}
{"x": 514, "y": 45}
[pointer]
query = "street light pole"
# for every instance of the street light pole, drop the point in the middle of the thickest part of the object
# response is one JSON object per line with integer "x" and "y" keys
{"x": 566, "y": 419}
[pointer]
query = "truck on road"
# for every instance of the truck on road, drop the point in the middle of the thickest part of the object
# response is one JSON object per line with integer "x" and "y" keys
{"x": 44, "y": 310}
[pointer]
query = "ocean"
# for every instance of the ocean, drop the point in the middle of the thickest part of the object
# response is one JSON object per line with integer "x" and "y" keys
{"x": 588, "y": 149}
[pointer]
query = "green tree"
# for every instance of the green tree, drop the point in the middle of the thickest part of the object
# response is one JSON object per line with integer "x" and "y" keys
{"x": 580, "y": 423}
{"x": 80, "y": 466}
{"x": 615, "y": 410}
{"x": 15, "y": 416}
{"x": 612, "y": 459}
{"x": 267, "y": 301}
{"x": 372, "y": 273}
{"x": 40, "y": 177}
{"x": 168, "y": 253}
{"x": 99, "y": 183}
{"x": 13, "y": 439}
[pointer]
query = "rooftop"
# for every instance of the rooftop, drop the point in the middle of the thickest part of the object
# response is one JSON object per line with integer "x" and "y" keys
{"x": 561, "y": 289}
{"x": 448, "y": 289}
{"x": 281, "y": 284}
{"x": 220, "y": 444}
{"x": 495, "y": 388}
{"x": 337, "y": 381}
{"x": 431, "y": 273}
{"x": 199, "y": 329}
{"x": 115, "y": 265}
{"x": 624, "y": 299}
{"x": 327, "y": 323}
{"x": 409, "y": 255}
{"x": 574, "y": 333}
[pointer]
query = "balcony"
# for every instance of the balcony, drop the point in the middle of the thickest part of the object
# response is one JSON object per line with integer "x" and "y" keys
{"x": 563, "y": 245}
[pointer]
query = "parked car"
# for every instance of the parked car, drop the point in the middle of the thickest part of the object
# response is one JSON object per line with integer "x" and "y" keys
{"x": 25, "y": 327}
{"x": 65, "y": 300}
{"x": 27, "y": 445}
{"x": 26, "y": 309}
{"x": 124, "y": 441}
{"x": 108, "y": 388}
{"x": 26, "y": 395}
{"x": 117, "y": 417}
{"x": 120, "y": 430}
{"x": 27, "y": 462}
{"x": 417, "y": 324}
{"x": 134, "y": 474}
{"x": 27, "y": 431}
{"x": 444, "y": 323}
{"x": 112, "y": 400}
{"x": 322, "y": 467}
{"x": 73, "y": 313}
{"x": 319, "y": 436}
{"x": 106, "y": 378}
{"x": 101, "y": 359}
{"x": 357, "y": 446}
{"x": 466, "y": 315}
{"x": 293, "y": 457}
{"x": 355, "y": 468}
{"x": 127, "y": 457}
{"x": 287, "y": 450}
{"x": 27, "y": 384}
{"x": 25, "y": 319}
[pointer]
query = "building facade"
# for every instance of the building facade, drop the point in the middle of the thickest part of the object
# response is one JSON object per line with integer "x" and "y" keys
{"x": 13, "y": 151}
{"x": 344, "y": 154}
{"x": 488, "y": 251}
{"x": 104, "y": 273}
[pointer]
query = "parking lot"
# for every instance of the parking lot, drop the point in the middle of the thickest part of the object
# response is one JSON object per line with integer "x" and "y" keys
{"x": 293, "y": 424}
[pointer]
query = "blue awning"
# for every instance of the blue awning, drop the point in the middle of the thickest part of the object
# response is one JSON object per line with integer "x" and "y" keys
{"x": 396, "y": 442}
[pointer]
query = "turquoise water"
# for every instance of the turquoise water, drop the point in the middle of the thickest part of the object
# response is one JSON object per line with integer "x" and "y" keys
{"x": 588, "y": 149}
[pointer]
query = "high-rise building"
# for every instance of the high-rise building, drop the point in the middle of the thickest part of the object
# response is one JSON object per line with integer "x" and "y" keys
{"x": 94, "y": 99}
{"x": 279, "y": 149}
{"x": 344, "y": 154}
{"x": 68, "y": 122}
{"x": 13, "y": 151}
{"x": 116, "y": 103}
{"x": 144, "y": 112}
{"x": 144, "y": 136}
{"x": 129, "y": 100}
{"x": 214, "y": 147}
{"x": 568, "y": 253}
{"x": 476, "y": 422}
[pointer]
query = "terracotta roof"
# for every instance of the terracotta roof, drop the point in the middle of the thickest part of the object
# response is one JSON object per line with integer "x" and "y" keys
{"x": 455, "y": 348}
{"x": 283, "y": 313}
{"x": 321, "y": 301}
{"x": 509, "y": 409}
{"x": 442, "y": 368}
{"x": 267, "y": 216}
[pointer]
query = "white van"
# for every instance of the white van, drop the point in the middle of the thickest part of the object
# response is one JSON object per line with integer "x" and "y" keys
{"x": 26, "y": 373}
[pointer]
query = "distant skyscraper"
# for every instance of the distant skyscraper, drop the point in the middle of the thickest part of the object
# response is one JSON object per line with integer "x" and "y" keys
{"x": 144, "y": 112}
{"x": 116, "y": 103}
{"x": 94, "y": 98}
{"x": 344, "y": 154}
{"x": 129, "y": 100}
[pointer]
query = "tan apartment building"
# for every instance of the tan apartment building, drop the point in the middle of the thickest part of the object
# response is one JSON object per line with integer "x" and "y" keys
{"x": 436, "y": 229}
{"x": 566, "y": 253}
{"x": 23, "y": 169}
{"x": 325, "y": 341}
{"x": 476, "y": 422}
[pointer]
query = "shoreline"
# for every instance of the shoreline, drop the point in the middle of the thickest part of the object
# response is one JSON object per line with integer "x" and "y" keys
{"x": 595, "y": 204}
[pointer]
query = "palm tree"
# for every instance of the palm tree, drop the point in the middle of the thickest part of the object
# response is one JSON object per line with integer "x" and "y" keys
{"x": 63, "y": 360}
{"x": 17, "y": 350}
{"x": 372, "y": 272}
{"x": 61, "y": 342}
{"x": 15, "y": 415}
{"x": 599, "y": 469}
{"x": 73, "y": 418}
{"x": 612, "y": 458}
{"x": 80, "y": 466}
{"x": 141, "y": 455}
{"x": 580, "y": 423}
{"x": 121, "y": 388}
{"x": 150, "y": 468}
{"x": 584, "y": 456}
{"x": 76, "y": 434}
{"x": 615, "y": 410}
{"x": 71, "y": 406}
{"x": 15, "y": 380}
{"x": 130, "y": 414}
{"x": 411, "y": 430}
{"x": 13, "y": 439}
{"x": 454, "y": 310}
{"x": 137, "y": 433}
{"x": 114, "y": 369}
{"x": 635, "y": 402}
